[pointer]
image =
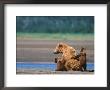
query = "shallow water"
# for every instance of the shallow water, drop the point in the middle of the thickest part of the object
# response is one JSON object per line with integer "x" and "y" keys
{"x": 44, "y": 66}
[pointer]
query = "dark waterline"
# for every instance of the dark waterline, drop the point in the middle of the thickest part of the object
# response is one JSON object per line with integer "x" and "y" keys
{"x": 43, "y": 66}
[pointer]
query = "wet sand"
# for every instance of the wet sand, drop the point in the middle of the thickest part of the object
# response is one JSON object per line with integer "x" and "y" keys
{"x": 34, "y": 71}
{"x": 42, "y": 50}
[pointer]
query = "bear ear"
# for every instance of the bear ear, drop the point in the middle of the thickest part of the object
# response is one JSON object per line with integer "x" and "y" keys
{"x": 82, "y": 49}
{"x": 60, "y": 45}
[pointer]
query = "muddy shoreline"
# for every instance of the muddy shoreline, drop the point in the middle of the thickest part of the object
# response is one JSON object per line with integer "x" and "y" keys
{"x": 34, "y": 71}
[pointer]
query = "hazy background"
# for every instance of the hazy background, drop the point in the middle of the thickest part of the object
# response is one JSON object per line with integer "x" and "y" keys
{"x": 55, "y": 24}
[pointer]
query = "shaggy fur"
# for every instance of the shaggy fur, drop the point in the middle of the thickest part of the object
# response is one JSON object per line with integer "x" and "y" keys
{"x": 60, "y": 64}
{"x": 67, "y": 51}
{"x": 69, "y": 60}
{"x": 78, "y": 64}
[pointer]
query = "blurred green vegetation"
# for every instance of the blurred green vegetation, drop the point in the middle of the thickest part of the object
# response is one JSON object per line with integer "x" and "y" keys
{"x": 55, "y": 24}
{"x": 55, "y": 36}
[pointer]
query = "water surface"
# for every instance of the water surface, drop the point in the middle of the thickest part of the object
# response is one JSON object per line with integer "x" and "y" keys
{"x": 44, "y": 66}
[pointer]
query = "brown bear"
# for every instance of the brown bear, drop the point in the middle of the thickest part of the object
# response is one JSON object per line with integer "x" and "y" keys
{"x": 77, "y": 63}
{"x": 69, "y": 60}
